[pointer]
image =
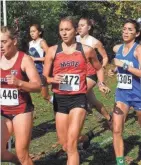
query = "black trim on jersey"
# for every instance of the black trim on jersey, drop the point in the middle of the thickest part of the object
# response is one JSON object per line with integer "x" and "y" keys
{"x": 24, "y": 75}
{"x": 59, "y": 48}
{"x": 78, "y": 48}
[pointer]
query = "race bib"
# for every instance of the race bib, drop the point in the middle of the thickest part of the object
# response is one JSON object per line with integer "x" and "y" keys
{"x": 71, "y": 82}
{"x": 124, "y": 81}
{"x": 9, "y": 97}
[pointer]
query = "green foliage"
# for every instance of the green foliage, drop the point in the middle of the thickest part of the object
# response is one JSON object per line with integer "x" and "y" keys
{"x": 108, "y": 17}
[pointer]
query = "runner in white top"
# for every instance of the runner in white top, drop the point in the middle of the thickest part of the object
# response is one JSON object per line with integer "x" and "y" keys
{"x": 84, "y": 26}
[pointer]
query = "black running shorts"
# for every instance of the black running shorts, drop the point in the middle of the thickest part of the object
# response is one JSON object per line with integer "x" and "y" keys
{"x": 65, "y": 103}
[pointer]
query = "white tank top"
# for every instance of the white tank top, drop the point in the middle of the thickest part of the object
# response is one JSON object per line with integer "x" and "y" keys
{"x": 37, "y": 46}
{"x": 87, "y": 40}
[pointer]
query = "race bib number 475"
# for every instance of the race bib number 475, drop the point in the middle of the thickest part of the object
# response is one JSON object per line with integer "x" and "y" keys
{"x": 71, "y": 82}
{"x": 124, "y": 81}
{"x": 9, "y": 97}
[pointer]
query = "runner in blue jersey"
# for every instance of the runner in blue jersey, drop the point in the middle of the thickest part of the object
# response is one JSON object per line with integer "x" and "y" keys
{"x": 38, "y": 48}
{"x": 128, "y": 92}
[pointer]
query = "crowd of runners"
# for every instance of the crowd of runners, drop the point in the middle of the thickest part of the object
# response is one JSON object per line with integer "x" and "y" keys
{"x": 72, "y": 69}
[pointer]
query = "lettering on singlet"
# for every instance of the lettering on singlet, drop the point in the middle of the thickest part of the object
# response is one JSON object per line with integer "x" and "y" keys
{"x": 3, "y": 80}
{"x": 69, "y": 63}
{"x": 130, "y": 63}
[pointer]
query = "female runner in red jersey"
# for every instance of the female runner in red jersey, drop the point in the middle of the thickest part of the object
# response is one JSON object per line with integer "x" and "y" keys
{"x": 18, "y": 78}
{"x": 68, "y": 63}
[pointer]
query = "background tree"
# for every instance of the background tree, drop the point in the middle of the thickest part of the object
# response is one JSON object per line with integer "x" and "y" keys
{"x": 107, "y": 15}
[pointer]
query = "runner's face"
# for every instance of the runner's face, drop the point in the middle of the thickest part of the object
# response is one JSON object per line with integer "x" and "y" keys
{"x": 67, "y": 32}
{"x": 34, "y": 33}
{"x": 83, "y": 27}
{"x": 7, "y": 44}
{"x": 129, "y": 32}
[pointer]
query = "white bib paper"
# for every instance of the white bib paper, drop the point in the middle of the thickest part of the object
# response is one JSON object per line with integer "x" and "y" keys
{"x": 9, "y": 97}
{"x": 71, "y": 82}
{"x": 124, "y": 81}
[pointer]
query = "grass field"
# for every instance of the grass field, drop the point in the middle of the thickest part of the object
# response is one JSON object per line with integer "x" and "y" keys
{"x": 100, "y": 151}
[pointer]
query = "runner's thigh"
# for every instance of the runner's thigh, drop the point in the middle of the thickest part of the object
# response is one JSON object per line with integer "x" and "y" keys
{"x": 6, "y": 131}
{"x": 22, "y": 125}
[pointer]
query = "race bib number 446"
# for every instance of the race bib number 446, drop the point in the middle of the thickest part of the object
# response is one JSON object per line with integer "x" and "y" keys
{"x": 124, "y": 81}
{"x": 9, "y": 97}
{"x": 71, "y": 82}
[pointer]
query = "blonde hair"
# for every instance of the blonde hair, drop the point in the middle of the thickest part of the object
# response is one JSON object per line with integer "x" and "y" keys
{"x": 12, "y": 32}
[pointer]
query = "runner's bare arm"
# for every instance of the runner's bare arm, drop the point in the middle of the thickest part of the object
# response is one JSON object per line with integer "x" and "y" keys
{"x": 111, "y": 72}
{"x": 92, "y": 57}
{"x": 137, "y": 54}
{"x": 45, "y": 47}
{"x": 103, "y": 53}
{"x": 116, "y": 48}
{"x": 131, "y": 69}
{"x": 28, "y": 67}
{"x": 48, "y": 66}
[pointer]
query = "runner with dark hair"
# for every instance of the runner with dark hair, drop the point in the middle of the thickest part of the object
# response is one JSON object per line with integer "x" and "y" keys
{"x": 128, "y": 92}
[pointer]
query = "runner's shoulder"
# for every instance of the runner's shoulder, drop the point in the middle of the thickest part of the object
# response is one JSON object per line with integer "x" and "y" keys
{"x": 87, "y": 49}
{"x": 116, "y": 47}
{"x": 53, "y": 48}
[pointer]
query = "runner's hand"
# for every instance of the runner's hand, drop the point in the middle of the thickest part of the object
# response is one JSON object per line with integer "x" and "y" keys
{"x": 103, "y": 88}
{"x": 58, "y": 78}
{"x": 118, "y": 63}
{"x": 11, "y": 79}
{"x": 111, "y": 72}
{"x": 33, "y": 58}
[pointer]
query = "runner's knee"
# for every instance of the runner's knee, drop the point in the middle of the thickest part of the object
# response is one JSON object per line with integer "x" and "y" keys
{"x": 63, "y": 143}
{"x": 117, "y": 130}
{"x": 118, "y": 111}
{"x": 72, "y": 145}
{"x": 64, "y": 147}
{"x": 22, "y": 155}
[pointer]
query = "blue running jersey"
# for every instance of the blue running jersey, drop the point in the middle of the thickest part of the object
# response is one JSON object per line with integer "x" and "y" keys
{"x": 129, "y": 85}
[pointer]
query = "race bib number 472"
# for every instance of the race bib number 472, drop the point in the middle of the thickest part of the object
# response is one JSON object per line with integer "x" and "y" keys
{"x": 124, "y": 81}
{"x": 9, "y": 97}
{"x": 71, "y": 82}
